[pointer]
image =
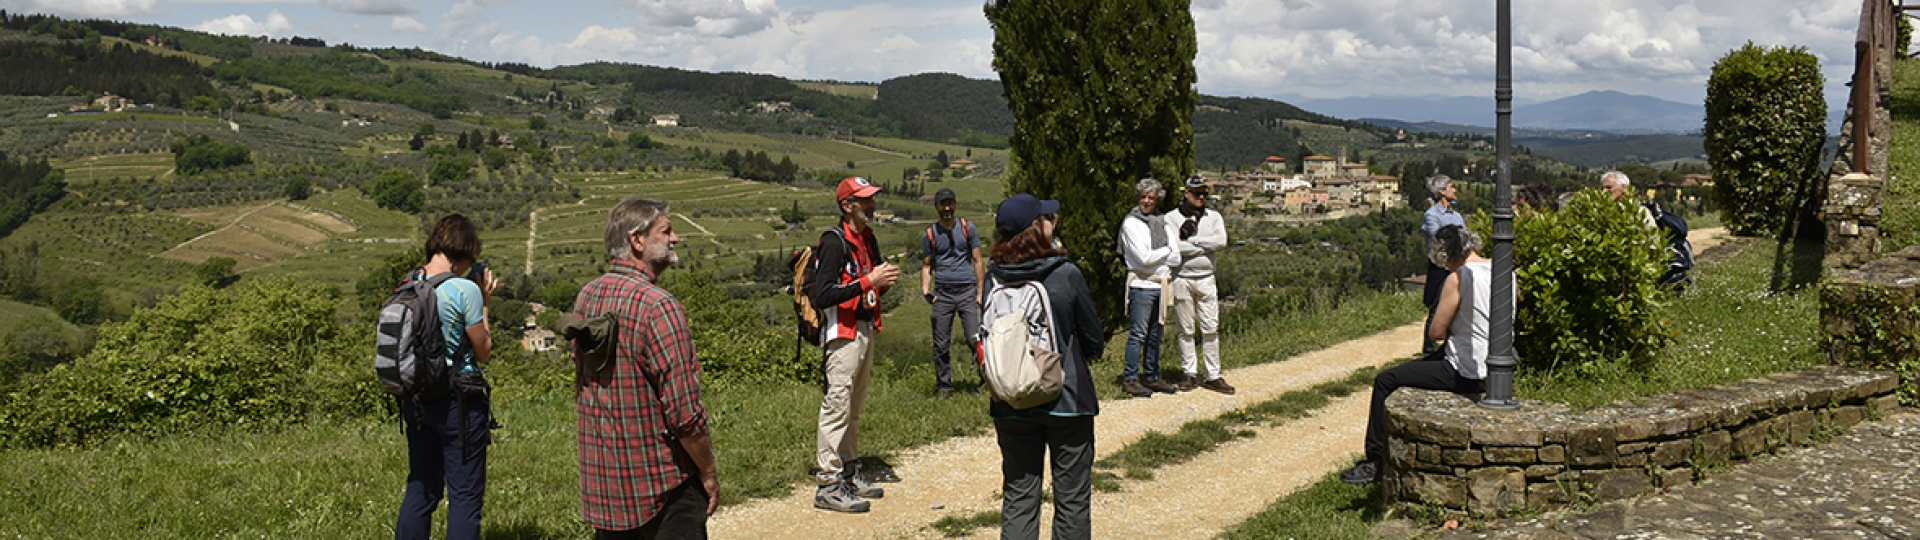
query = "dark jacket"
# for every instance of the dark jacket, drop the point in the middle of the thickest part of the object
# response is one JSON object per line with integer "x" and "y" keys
{"x": 1074, "y": 322}
{"x": 836, "y": 287}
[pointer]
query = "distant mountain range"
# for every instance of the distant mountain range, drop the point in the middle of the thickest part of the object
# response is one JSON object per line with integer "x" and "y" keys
{"x": 1601, "y": 110}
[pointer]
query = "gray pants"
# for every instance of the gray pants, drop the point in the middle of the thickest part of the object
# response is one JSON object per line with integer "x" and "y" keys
{"x": 949, "y": 298}
{"x": 1025, "y": 446}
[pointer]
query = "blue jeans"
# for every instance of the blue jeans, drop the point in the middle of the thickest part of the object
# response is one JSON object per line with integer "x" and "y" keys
{"x": 437, "y": 459}
{"x": 1143, "y": 337}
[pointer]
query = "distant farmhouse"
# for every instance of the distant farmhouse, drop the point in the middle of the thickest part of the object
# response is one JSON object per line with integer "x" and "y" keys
{"x": 666, "y": 120}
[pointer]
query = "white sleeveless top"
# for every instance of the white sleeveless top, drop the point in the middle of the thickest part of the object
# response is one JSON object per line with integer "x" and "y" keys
{"x": 1467, "y": 335}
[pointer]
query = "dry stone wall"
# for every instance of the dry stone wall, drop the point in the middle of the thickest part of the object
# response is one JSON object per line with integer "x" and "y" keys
{"x": 1870, "y": 318}
{"x": 1446, "y": 451}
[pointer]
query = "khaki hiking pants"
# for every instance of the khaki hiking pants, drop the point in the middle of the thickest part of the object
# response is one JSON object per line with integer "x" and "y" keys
{"x": 849, "y": 369}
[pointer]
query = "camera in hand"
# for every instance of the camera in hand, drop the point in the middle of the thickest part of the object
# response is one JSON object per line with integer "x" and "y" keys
{"x": 477, "y": 273}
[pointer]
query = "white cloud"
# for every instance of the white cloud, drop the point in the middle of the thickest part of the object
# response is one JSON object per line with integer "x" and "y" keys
{"x": 727, "y": 18}
{"x": 370, "y": 7}
{"x": 244, "y": 25}
{"x": 103, "y": 9}
{"x": 406, "y": 24}
{"x": 1389, "y": 47}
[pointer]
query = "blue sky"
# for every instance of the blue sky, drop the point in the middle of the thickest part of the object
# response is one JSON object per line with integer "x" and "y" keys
{"x": 1265, "y": 48}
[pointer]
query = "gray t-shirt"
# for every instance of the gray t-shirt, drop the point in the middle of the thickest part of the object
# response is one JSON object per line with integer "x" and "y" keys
{"x": 952, "y": 250}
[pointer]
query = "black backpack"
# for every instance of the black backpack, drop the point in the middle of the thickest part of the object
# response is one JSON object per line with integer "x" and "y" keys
{"x": 1679, "y": 250}
{"x": 410, "y": 353}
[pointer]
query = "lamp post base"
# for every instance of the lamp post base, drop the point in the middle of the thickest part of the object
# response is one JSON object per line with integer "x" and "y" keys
{"x": 1500, "y": 404}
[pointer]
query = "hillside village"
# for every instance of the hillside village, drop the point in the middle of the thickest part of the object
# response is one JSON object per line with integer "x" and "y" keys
{"x": 1330, "y": 188}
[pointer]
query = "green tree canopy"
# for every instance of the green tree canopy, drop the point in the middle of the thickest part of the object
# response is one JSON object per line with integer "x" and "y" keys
{"x": 398, "y": 189}
{"x": 1102, "y": 94}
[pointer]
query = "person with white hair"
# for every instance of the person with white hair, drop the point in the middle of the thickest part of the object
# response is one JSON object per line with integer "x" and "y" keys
{"x": 1441, "y": 214}
{"x": 1618, "y": 185}
{"x": 1147, "y": 247}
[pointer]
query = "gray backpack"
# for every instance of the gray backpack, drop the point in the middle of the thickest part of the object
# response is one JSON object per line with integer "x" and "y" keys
{"x": 1020, "y": 357}
{"x": 410, "y": 354}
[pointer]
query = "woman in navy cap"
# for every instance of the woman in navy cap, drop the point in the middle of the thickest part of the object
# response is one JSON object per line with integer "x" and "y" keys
{"x": 1061, "y": 429}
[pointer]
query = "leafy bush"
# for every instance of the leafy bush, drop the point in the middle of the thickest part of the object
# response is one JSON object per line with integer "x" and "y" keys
{"x": 398, "y": 189}
{"x": 1588, "y": 277}
{"x": 195, "y": 153}
{"x": 264, "y": 354}
{"x": 1766, "y": 122}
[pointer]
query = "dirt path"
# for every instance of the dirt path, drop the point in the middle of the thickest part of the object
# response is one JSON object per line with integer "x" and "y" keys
{"x": 1196, "y": 499}
{"x": 961, "y": 476}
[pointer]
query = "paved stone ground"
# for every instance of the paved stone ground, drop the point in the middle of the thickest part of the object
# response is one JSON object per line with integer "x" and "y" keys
{"x": 1864, "y": 483}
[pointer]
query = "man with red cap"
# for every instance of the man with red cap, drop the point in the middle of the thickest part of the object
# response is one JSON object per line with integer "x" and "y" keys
{"x": 846, "y": 287}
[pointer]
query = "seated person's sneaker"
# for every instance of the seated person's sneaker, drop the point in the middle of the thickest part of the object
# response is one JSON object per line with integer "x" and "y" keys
{"x": 835, "y": 497}
{"x": 1365, "y": 472}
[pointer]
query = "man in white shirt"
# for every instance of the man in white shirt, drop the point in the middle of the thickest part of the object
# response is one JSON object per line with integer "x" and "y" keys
{"x": 1196, "y": 302}
{"x": 1150, "y": 260}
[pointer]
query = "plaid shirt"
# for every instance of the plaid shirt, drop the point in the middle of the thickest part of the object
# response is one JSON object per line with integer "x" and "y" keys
{"x": 632, "y": 413}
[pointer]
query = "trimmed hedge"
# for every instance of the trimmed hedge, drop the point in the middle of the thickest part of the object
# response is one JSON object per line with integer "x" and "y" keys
{"x": 1766, "y": 121}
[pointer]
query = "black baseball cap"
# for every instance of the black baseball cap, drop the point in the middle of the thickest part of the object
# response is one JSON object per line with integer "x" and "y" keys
{"x": 944, "y": 194}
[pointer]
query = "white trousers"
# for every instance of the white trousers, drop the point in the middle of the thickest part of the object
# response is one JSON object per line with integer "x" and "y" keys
{"x": 1196, "y": 304}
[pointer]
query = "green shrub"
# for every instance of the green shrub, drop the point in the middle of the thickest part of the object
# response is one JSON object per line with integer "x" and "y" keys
{"x": 1588, "y": 277}
{"x": 1766, "y": 122}
{"x": 264, "y": 354}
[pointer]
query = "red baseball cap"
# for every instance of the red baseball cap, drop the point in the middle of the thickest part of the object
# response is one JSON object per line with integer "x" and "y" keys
{"x": 854, "y": 186}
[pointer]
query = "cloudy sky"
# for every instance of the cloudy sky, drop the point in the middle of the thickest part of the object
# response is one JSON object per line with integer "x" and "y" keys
{"x": 1265, "y": 48}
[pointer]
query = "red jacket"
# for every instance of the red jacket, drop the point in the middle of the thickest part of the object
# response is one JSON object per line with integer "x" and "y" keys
{"x": 846, "y": 289}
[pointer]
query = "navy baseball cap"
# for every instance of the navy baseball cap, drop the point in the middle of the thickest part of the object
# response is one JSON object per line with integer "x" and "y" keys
{"x": 944, "y": 194}
{"x": 1018, "y": 212}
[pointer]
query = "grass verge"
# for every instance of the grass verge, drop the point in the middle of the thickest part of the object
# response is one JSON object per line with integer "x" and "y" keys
{"x": 1156, "y": 449}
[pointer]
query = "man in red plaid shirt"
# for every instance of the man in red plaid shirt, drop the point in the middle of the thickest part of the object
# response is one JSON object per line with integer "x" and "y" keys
{"x": 646, "y": 460}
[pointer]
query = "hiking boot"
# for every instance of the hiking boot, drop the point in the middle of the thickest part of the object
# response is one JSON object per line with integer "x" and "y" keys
{"x": 1161, "y": 387}
{"x": 1365, "y": 472}
{"x": 1134, "y": 387}
{"x": 860, "y": 486}
{"x": 835, "y": 497}
{"x": 1218, "y": 385}
{"x": 1190, "y": 383}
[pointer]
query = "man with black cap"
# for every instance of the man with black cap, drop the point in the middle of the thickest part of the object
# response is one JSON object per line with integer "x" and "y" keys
{"x": 950, "y": 277}
{"x": 1196, "y": 302}
{"x": 846, "y": 287}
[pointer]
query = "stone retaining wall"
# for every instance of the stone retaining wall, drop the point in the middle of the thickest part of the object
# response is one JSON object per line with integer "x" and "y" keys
{"x": 1870, "y": 317}
{"x": 1446, "y": 451}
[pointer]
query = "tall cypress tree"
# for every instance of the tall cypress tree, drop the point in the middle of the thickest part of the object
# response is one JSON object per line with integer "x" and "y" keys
{"x": 1102, "y": 93}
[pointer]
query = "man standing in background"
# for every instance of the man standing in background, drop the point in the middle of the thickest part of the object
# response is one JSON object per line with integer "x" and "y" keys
{"x": 950, "y": 276}
{"x": 1196, "y": 302}
{"x": 1440, "y": 214}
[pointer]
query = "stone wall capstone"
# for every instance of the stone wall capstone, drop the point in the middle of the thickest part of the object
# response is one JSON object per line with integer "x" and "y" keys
{"x": 1444, "y": 450}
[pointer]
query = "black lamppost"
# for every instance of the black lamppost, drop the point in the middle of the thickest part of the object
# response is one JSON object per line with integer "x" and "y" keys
{"x": 1500, "y": 357}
